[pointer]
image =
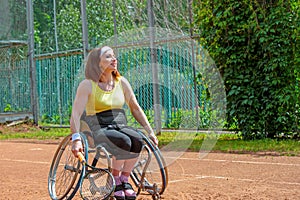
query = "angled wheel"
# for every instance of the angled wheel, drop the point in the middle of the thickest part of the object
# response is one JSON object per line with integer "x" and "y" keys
{"x": 150, "y": 173}
{"x": 65, "y": 172}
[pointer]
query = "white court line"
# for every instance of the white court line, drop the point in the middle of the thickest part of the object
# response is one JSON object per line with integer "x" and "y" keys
{"x": 24, "y": 161}
{"x": 230, "y": 178}
{"x": 208, "y": 160}
{"x": 193, "y": 177}
{"x": 254, "y": 162}
{"x": 236, "y": 161}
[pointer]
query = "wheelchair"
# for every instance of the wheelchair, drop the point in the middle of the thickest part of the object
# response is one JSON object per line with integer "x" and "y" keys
{"x": 149, "y": 176}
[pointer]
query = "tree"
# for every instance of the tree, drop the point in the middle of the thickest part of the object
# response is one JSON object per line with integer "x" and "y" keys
{"x": 255, "y": 45}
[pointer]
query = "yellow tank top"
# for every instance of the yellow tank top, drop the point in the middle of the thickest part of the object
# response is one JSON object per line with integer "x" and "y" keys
{"x": 100, "y": 100}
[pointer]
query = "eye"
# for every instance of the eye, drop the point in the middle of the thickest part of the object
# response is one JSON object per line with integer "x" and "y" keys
{"x": 110, "y": 56}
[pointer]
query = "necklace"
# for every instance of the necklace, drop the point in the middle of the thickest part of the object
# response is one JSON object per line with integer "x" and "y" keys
{"x": 106, "y": 86}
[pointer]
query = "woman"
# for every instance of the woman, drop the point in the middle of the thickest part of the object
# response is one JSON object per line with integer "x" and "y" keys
{"x": 102, "y": 95}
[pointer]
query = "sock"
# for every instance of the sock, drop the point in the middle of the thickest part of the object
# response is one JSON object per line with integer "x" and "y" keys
{"x": 124, "y": 179}
{"x": 118, "y": 182}
{"x": 128, "y": 192}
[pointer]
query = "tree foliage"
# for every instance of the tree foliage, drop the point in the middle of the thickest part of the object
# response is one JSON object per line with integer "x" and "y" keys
{"x": 62, "y": 22}
{"x": 255, "y": 44}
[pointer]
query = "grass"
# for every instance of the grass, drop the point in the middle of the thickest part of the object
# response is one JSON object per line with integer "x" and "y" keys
{"x": 34, "y": 133}
{"x": 229, "y": 143}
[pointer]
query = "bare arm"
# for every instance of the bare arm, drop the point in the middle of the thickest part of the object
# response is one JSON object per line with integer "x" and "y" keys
{"x": 136, "y": 109}
{"x": 83, "y": 91}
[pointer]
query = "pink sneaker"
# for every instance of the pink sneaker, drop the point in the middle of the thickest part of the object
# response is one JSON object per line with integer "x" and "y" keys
{"x": 129, "y": 192}
{"x": 119, "y": 193}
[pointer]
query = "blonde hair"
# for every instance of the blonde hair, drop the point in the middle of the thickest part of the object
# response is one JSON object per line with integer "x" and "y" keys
{"x": 92, "y": 68}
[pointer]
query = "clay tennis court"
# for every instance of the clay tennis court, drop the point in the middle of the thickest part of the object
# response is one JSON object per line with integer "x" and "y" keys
{"x": 24, "y": 169}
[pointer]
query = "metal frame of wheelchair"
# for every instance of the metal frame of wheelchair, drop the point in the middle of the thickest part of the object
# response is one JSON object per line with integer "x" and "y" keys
{"x": 149, "y": 175}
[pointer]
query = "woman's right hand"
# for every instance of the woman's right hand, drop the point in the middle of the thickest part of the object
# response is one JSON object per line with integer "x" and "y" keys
{"x": 77, "y": 147}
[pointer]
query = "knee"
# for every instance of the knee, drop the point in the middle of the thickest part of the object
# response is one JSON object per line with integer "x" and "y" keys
{"x": 137, "y": 145}
{"x": 125, "y": 143}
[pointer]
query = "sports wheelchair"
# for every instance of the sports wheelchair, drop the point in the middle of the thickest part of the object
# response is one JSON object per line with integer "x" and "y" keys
{"x": 66, "y": 173}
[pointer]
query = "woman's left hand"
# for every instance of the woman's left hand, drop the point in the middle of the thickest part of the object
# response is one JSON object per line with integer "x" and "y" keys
{"x": 153, "y": 137}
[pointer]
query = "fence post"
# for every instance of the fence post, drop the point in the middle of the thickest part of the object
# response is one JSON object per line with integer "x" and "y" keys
{"x": 115, "y": 25}
{"x": 153, "y": 54}
{"x": 85, "y": 37}
{"x": 33, "y": 94}
{"x": 58, "y": 74}
{"x": 190, "y": 2}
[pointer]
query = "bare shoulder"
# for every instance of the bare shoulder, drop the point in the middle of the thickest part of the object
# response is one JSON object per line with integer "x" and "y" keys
{"x": 123, "y": 80}
{"x": 86, "y": 82}
{"x": 85, "y": 85}
{"x": 126, "y": 85}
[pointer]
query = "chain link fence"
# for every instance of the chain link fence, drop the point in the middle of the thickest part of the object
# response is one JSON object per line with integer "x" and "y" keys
{"x": 15, "y": 86}
{"x": 59, "y": 56}
{"x": 14, "y": 77}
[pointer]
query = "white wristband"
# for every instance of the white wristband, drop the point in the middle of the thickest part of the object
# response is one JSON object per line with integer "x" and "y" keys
{"x": 76, "y": 136}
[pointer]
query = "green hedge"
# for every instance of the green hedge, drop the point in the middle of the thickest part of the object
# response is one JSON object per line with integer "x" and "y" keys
{"x": 255, "y": 45}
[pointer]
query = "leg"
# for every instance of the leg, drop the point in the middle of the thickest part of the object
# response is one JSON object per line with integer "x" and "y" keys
{"x": 127, "y": 169}
{"x": 125, "y": 145}
{"x": 124, "y": 167}
{"x": 116, "y": 168}
{"x": 128, "y": 166}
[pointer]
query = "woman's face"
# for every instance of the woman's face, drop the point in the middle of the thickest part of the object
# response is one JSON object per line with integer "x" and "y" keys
{"x": 108, "y": 61}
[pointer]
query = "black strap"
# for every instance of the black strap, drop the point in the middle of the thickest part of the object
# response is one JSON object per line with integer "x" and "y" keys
{"x": 127, "y": 186}
{"x": 118, "y": 188}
